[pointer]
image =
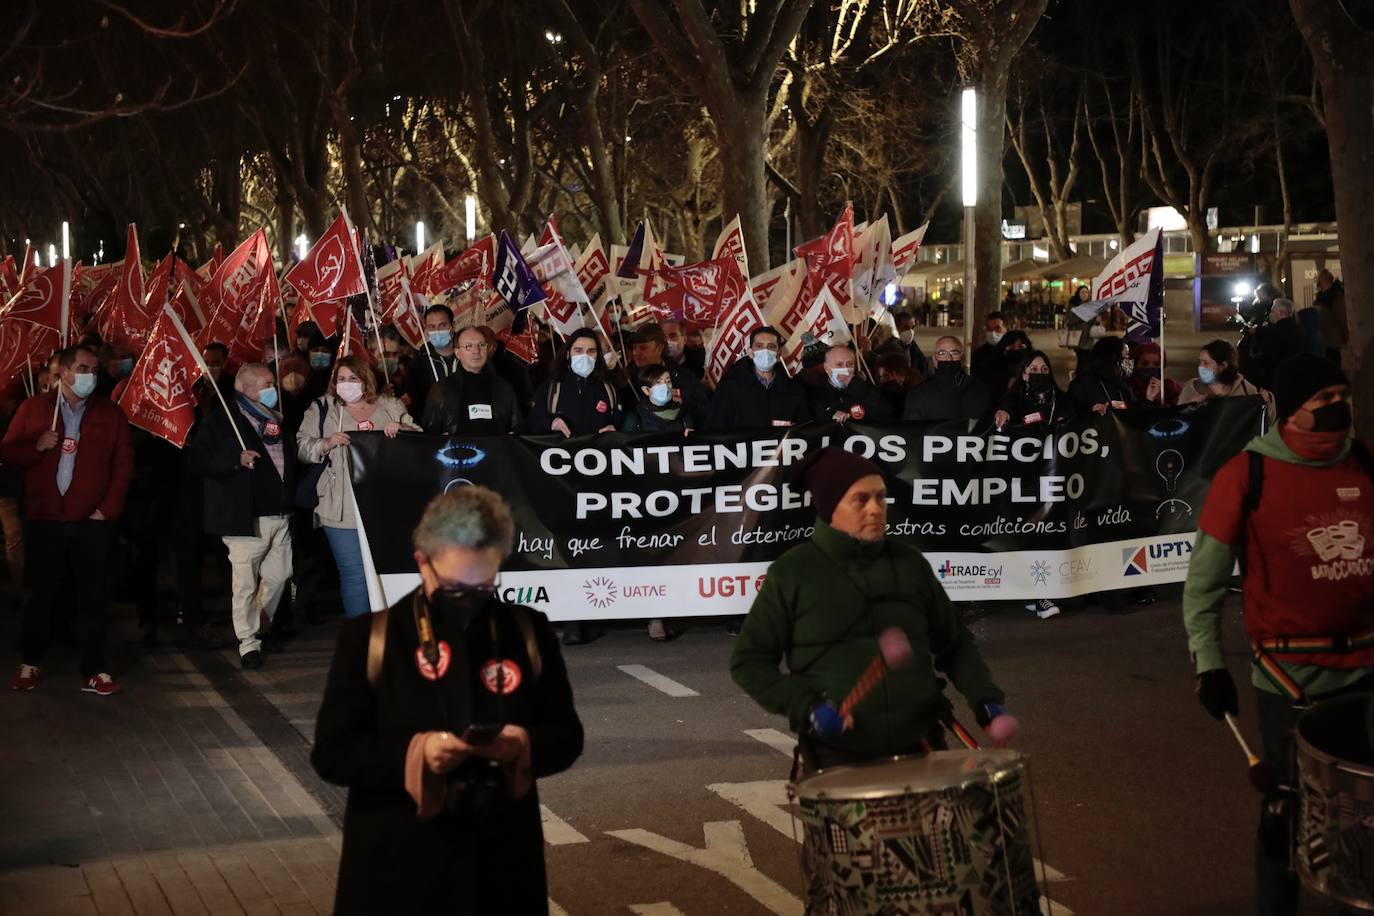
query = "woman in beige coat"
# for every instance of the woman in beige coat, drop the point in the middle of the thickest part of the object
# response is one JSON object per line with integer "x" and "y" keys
{"x": 350, "y": 404}
{"x": 1218, "y": 377}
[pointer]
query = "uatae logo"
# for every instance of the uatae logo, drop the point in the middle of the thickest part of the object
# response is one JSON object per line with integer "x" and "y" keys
{"x": 1157, "y": 558}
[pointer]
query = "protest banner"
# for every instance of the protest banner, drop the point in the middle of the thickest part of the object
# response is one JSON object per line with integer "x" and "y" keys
{"x": 651, "y": 525}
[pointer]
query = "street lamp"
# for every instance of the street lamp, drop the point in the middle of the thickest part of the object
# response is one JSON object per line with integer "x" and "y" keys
{"x": 419, "y": 236}
{"x": 302, "y": 246}
{"x": 470, "y": 205}
{"x": 52, "y": 255}
{"x": 66, "y": 241}
{"x": 969, "y": 166}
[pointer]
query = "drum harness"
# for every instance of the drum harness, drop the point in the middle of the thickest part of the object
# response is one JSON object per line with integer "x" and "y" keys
{"x": 1261, "y": 649}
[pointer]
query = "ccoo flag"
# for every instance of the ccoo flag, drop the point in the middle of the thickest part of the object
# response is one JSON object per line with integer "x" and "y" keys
{"x": 512, "y": 278}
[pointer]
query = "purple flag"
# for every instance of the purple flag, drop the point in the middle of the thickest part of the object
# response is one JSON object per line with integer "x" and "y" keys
{"x": 1143, "y": 319}
{"x": 512, "y": 279}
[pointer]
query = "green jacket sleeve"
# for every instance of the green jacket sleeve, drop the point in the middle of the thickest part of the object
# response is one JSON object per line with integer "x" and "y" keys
{"x": 955, "y": 651}
{"x": 1209, "y": 575}
{"x": 759, "y": 649}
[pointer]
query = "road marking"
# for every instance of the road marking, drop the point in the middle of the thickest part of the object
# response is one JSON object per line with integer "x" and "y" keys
{"x": 655, "y": 909}
{"x": 658, "y": 681}
{"x": 1048, "y": 906}
{"x": 726, "y": 854}
{"x": 779, "y": 741}
{"x": 558, "y": 832}
{"x": 555, "y": 909}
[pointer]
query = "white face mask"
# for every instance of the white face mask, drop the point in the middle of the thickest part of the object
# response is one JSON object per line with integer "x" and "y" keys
{"x": 350, "y": 392}
{"x": 661, "y": 394}
{"x": 765, "y": 360}
{"x": 612, "y": 359}
{"x": 582, "y": 364}
{"x": 994, "y": 337}
{"x": 908, "y": 335}
{"x": 840, "y": 376}
{"x": 83, "y": 384}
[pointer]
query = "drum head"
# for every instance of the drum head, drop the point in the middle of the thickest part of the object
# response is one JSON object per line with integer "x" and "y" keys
{"x": 897, "y": 775}
{"x": 1334, "y": 731}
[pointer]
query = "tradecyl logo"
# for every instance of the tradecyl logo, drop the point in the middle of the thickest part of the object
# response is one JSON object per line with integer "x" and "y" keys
{"x": 991, "y": 574}
{"x": 727, "y": 586}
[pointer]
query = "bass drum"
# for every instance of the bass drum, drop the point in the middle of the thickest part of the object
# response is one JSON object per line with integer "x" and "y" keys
{"x": 941, "y": 833}
{"x": 1336, "y": 801}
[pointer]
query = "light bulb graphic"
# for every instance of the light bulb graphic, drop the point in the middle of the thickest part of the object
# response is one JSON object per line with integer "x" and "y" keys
{"x": 1169, "y": 464}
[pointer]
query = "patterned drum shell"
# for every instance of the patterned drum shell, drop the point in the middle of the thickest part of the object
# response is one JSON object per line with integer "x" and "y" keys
{"x": 939, "y": 833}
{"x": 1335, "y": 835}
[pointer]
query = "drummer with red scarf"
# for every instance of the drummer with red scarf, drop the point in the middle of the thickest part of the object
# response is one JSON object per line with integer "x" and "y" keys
{"x": 1296, "y": 509}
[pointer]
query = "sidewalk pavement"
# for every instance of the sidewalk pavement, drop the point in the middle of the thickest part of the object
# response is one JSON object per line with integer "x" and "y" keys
{"x": 189, "y": 792}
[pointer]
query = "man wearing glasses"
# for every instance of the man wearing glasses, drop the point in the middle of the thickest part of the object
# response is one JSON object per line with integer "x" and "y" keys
{"x": 950, "y": 393}
{"x": 474, "y": 400}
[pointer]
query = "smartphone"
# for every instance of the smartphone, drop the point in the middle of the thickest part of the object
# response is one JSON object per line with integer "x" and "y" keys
{"x": 478, "y": 735}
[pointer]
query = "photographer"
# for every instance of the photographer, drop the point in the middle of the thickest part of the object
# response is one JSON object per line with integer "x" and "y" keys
{"x": 438, "y": 742}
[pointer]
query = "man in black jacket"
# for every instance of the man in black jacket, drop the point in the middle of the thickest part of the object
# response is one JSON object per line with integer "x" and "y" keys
{"x": 840, "y": 395}
{"x": 249, "y": 488}
{"x": 437, "y": 361}
{"x": 757, "y": 393}
{"x": 951, "y": 393}
{"x": 474, "y": 400}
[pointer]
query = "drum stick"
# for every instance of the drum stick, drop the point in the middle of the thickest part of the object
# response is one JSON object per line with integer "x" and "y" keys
{"x": 1261, "y": 773}
{"x": 894, "y": 651}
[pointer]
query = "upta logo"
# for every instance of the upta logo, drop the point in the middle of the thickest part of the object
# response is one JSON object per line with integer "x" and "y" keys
{"x": 1137, "y": 560}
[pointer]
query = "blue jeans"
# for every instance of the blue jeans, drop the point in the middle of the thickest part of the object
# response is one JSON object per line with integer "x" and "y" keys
{"x": 348, "y": 556}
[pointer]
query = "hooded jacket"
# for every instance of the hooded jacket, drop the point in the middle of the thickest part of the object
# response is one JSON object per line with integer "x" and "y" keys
{"x": 821, "y": 609}
{"x": 1281, "y": 555}
{"x": 742, "y": 401}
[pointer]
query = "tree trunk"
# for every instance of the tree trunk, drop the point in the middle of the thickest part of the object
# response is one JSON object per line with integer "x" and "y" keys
{"x": 743, "y": 182}
{"x": 601, "y": 174}
{"x": 987, "y": 215}
{"x": 355, "y": 184}
{"x": 1345, "y": 67}
{"x": 813, "y": 136}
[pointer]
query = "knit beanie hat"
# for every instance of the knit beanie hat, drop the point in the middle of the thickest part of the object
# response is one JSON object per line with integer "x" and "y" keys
{"x": 1301, "y": 376}
{"x": 829, "y": 473}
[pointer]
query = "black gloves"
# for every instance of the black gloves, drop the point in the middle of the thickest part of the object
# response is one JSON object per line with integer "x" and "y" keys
{"x": 1217, "y": 693}
{"x": 986, "y": 711}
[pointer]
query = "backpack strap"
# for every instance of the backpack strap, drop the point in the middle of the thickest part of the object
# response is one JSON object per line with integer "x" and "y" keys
{"x": 324, "y": 409}
{"x": 526, "y": 624}
{"x": 376, "y": 647}
{"x": 610, "y": 395}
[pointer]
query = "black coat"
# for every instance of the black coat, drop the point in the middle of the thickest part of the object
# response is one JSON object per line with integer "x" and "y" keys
{"x": 235, "y": 496}
{"x": 585, "y": 404}
{"x": 1054, "y": 408}
{"x": 461, "y": 861}
{"x": 742, "y": 402}
{"x": 643, "y": 418}
{"x": 447, "y": 413}
{"x": 859, "y": 399}
{"x": 1089, "y": 388}
{"x": 420, "y": 377}
{"x": 948, "y": 397}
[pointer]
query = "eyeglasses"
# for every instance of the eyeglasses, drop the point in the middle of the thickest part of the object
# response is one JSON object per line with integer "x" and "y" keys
{"x": 474, "y": 347}
{"x": 950, "y": 354}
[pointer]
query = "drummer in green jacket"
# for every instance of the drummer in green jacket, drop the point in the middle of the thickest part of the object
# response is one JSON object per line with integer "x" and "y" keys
{"x": 822, "y": 608}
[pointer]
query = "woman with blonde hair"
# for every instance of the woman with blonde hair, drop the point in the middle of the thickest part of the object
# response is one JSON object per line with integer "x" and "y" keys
{"x": 351, "y": 404}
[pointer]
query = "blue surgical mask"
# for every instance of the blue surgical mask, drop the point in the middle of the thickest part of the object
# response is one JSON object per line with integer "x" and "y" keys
{"x": 267, "y": 397}
{"x": 440, "y": 339}
{"x": 1206, "y": 376}
{"x": 661, "y": 394}
{"x": 840, "y": 376}
{"x": 319, "y": 360}
{"x": 124, "y": 367}
{"x": 765, "y": 360}
{"x": 83, "y": 385}
{"x": 582, "y": 364}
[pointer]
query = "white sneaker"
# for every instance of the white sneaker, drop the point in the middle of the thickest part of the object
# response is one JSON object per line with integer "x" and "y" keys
{"x": 1043, "y": 608}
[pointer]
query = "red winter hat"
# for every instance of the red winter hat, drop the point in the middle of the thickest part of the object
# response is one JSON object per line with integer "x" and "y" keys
{"x": 829, "y": 473}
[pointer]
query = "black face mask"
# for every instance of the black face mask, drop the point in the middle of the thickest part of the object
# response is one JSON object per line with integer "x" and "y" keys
{"x": 462, "y": 604}
{"x": 1013, "y": 356}
{"x": 949, "y": 368}
{"x": 1039, "y": 382}
{"x": 1332, "y": 418}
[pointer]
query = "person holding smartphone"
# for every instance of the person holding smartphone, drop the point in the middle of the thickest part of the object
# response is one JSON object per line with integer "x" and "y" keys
{"x": 439, "y": 715}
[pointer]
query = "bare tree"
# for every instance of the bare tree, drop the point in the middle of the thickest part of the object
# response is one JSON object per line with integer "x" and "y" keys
{"x": 1342, "y": 47}
{"x": 1037, "y": 136}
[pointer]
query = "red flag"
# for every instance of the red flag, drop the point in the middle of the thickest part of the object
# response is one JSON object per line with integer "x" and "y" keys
{"x": 354, "y": 344}
{"x": 694, "y": 292}
{"x": 830, "y": 260}
{"x": 472, "y": 264}
{"x": 45, "y": 299}
{"x": 125, "y": 322}
{"x": 159, "y": 395}
{"x": 324, "y": 315}
{"x": 158, "y": 287}
{"x": 98, "y": 282}
{"x": 398, "y": 304}
{"x": 186, "y": 302}
{"x": 217, "y": 258}
{"x": 30, "y": 264}
{"x": 259, "y": 324}
{"x": 904, "y": 249}
{"x": 10, "y": 275}
{"x": 523, "y": 346}
{"x": 331, "y": 268}
{"x": 730, "y": 244}
{"x": 236, "y": 285}
{"x": 732, "y": 336}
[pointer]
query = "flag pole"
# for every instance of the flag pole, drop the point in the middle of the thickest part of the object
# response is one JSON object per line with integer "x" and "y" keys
{"x": 205, "y": 371}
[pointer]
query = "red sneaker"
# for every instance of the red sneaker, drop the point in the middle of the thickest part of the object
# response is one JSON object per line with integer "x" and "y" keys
{"x": 100, "y": 685}
{"x": 26, "y": 678}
